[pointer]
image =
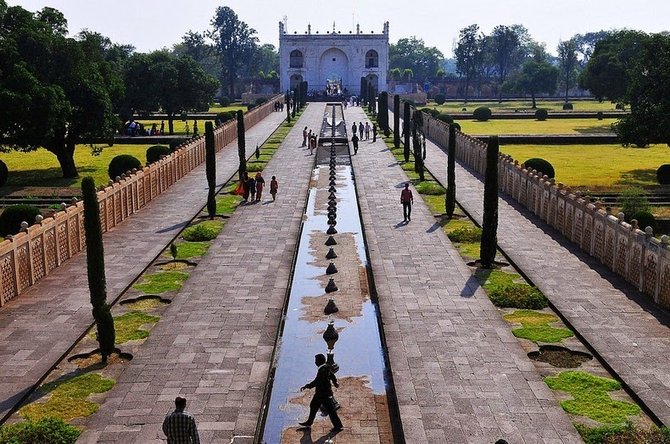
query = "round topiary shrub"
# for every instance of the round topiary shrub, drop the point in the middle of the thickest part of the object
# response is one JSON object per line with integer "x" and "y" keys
{"x": 540, "y": 165}
{"x": 225, "y": 116}
{"x": 645, "y": 219}
{"x": 618, "y": 106}
{"x": 599, "y": 115}
{"x": 433, "y": 112}
{"x": 663, "y": 174}
{"x": 13, "y": 215}
{"x": 259, "y": 101}
{"x": 541, "y": 114}
{"x": 445, "y": 118}
{"x": 251, "y": 106}
{"x": 482, "y": 113}
{"x": 121, "y": 164}
{"x": 567, "y": 107}
{"x": 440, "y": 99}
{"x": 224, "y": 101}
{"x": 4, "y": 173}
{"x": 457, "y": 125}
{"x": 155, "y": 152}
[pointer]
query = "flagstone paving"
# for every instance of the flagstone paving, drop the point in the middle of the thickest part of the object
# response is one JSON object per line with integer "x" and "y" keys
{"x": 459, "y": 373}
{"x": 39, "y": 326}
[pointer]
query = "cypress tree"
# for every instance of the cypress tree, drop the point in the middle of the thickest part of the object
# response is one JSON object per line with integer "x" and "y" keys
{"x": 241, "y": 148}
{"x": 95, "y": 261}
{"x": 384, "y": 113}
{"x": 364, "y": 90}
{"x": 396, "y": 121}
{"x": 417, "y": 124}
{"x": 295, "y": 102}
{"x": 450, "y": 197}
{"x": 406, "y": 125}
{"x": 371, "y": 99}
{"x": 287, "y": 101}
{"x": 489, "y": 243}
{"x": 210, "y": 169}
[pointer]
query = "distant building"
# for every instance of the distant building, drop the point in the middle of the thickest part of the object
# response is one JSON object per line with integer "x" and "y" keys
{"x": 333, "y": 58}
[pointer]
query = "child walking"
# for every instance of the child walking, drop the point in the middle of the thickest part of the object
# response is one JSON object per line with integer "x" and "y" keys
{"x": 274, "y": 186}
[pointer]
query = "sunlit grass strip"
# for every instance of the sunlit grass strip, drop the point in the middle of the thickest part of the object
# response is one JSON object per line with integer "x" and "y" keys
{"x": 161, "y": 282}
{"x": 535, "y": 326}
{"x": 128, "y": 326}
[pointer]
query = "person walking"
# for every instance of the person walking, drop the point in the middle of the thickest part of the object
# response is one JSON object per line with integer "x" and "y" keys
{"x": 304, "y": 137}
{"x": 361, "y": 128}
{"x": 245, "y": 186}
{"x": 260, "y": 184}
{"x": 312, "y": 144}
{"x": 367, "y": 131}
{"x": 406, "y": 199}
{"x": 353, "y": 128}
{"x": 274, "y": 186}
{"x": 374, "y": 132}
{"x": 323, "y": 394}
{"x": 354, "y": 141}
{"x": 251, "y": 183}
{"x": 179, "y": 426}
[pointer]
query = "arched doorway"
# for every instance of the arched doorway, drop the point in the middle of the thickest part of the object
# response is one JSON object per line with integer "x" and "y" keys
{"x": 333, "y": 71}
{"x": 373, "y": 80}
{"x": 295, "y": 80}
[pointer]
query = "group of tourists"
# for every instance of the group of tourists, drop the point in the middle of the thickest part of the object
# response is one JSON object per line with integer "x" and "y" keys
{"x": 279, "y": 106}
{"x": 251, "y": 188}
{"x": 361, "y": 132}
{"x": 309, "y": 139}
{"x": 134, "y": 128}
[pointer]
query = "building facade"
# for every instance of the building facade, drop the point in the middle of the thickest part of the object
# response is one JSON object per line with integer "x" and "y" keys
{"x": 333, "y": 58}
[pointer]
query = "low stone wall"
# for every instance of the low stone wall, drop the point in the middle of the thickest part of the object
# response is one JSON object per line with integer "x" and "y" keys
{"x": 32, "y": 254}
{"x": 635, "y": 255}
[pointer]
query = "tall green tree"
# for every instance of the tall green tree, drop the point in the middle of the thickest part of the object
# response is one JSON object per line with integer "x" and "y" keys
{"x": 235, "y": 43}
{"x": 417, "y": 132}
{"x": 210, "y": 169}
{"x": 505, "y": 46}
{"x": 568, "y": 63}
{"x": 95, "y": 260}
{"x": 241, "y": 143}
{"x": 489, "y": 242}
{"x": 396, "y": 121}
{"x": 52, "y": 94}
{"x": 450, "y": 196}
{"x": 469, "y": 54}
{"x": 413, "y": 53}
{"x": 407, "y": 129}
{"x": 536, "y": 76}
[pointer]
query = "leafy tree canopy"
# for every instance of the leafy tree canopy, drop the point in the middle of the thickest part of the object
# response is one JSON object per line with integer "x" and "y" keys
{"x": 412, "y": 53}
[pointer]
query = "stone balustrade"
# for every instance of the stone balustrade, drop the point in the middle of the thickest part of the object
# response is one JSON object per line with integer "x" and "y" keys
{"x": 39, "y": 249}
{"x": 635, "y": 255}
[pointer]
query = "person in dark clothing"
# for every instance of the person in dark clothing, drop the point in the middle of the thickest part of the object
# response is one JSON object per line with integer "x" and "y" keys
{"x": 179, "y": 426}
{"x": 374, "y": 132}
{"x": 406, "y": 199}
{"x": 354, "y": 141}
{"x": 323, "y": 394}
{"x": 245, "y": 184}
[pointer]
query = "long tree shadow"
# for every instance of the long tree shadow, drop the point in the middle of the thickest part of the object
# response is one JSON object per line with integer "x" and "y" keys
{"x": 596, "y": 129}
{"x": 640, "y": 176}
{"x": 47, "y": 177}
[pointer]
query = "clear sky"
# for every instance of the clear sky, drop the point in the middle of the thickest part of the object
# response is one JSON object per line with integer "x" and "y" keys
{"x": 155, "y": 24}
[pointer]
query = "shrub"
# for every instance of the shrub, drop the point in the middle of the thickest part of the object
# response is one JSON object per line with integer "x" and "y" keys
{"x": 225, "y": 116}
{"x": 251, "y": 106}
{"x": 430, "y": 188}
{"x": 466, "y": 234}
{"x": 43, "y": 431}
{"x": 445, "y": 118}
{"x": 4, "y": 173}
{"x": 663, "y": 174}
{"x": 457, "y": 125}
{"x": 155, "y": 152}
{"x": 121, "y": 164}
{"x": 645, "y": 219}
{"x": 204, "y": 231}
{"x": 12, "y": 216}
{"x": 224, "y": 101}
{"x": 540, "y": 165}
{"x": 567, "y": 107}
{"x": 174, "y": 144}
{"x": 440, "y": 99}
{"x": 599, "y": 115}
{"x": 518, "y": 296}
{"x": 541, "y": 114}
{"x": 432, "y": 111}
{"x": 633, "y": 200}
{"x": 259, "y": 101}
{"x": 619, "y": 106}
{"x": 482, "y": 114}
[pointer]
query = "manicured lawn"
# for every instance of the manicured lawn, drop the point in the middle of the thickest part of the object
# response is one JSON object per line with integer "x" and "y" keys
{"x": 40, "y": 168}
{"x": 533, "y": 126}
{"x": 220, "y": 109}
{"x": 161, "y": 282}
{"x": 179, "y": 125}
{"x": 597, "y": 167}
{"x": 591, "y": 398}
{"x": 68, "y": 398}
{"x": 536, "y": 326}
{"x": 581, "y": 106}
{"x": 128, "y": 326}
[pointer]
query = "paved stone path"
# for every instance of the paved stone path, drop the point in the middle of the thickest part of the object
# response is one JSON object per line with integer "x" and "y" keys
{"x": 459, "y": 373}
{"x": 39, "y": 326}
{"x": 614, "y": 318}
{"x": 214, "y": 343}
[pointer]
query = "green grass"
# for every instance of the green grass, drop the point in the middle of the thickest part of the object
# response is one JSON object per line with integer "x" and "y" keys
{"x": 68, "y": 398}
{"x": 583, "y": 166}
{"x": 493, "y": 279}
{"x": 536, "y": 326}
{"x": 40, "y": 168}
{"x": 469, "y": 250}
{"x": 628, "y": 433}
{"x": 203, "y": 231}
{"x": 45, "y": 430}
{"x": 227, "y": 203}
{"x": 434, "y": 203}
{"x": 470, "y": 234}
{"x": 161, "y": 282}
{"x": 188, "y": 250}
{"x": 430, "y": 187}
{"x": 128, "y": 326}
{"x": 220, "y": 109}
{"x": 591, "y": 398}
{"x": 518, "y": 296}
{"x": 179, "y": 126}
{"x": 144, "y": 304}
{"x": 524, "y": 105}
{"x": 533, "y": 126}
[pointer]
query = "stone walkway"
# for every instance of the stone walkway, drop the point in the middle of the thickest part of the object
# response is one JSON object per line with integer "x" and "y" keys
{"x": 631, "y": 334}
{"x": 39, "y": 326}
{"x": 459, "y": 373}
{"x": 214, "y": 343}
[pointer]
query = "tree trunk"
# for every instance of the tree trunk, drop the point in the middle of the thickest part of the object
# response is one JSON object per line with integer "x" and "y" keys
{"x": 533, "y": 98}
{"x": 171, "y": 123}
{"x": 489, "y": 241}
{"x": 467, "y": 87}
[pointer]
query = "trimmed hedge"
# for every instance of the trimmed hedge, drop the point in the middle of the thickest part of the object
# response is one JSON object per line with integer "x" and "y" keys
{"x": 43, "y": 431}
{"x": 122, "y": 164}
{"x": 13, "y": 215}
{"x": 518, "y": 296}
{"x": 440, "y": 99}
{"x": 645, "y": 219}
{"x": 541, "y": 114}
{"x": 663, "y": 174}
{"x": 482, "y": 113}
{"x": 224, "y": 101}
{"x": 445, "y": 117}
{"x": 155, "y": 152}
{"x": 567, "y": 107}
{"x": 4, "y": 173}
{"x": 225, "y": 116}
{"x": 540, "y": 165}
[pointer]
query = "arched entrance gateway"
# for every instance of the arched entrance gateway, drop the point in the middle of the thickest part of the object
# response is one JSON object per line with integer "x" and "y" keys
{"x": 295, "y": 80}
{"x": 333, "y": 71}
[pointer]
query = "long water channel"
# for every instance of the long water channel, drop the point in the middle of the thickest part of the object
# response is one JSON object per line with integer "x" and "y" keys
{"x": 331, "y": 227}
